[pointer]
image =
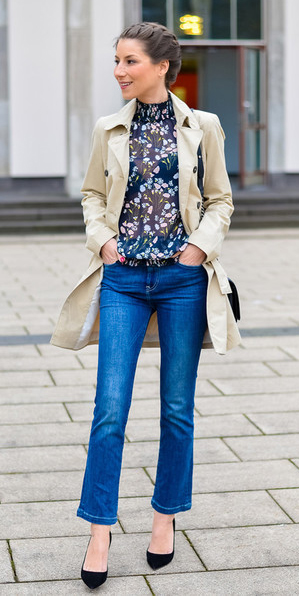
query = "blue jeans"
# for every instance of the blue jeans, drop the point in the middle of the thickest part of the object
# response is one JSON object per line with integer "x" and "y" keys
{"x": 129, "y": 296}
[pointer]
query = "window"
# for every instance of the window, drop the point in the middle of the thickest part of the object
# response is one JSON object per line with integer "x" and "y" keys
{"x": 154, "y": 11}
{"x": 207, "y": 19}
{"x": 249, "y": 19}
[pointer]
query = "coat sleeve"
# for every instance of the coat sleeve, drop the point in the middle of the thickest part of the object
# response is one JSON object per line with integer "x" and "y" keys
{"x": 94, "y": 196}
{"x": 218, "y": 204}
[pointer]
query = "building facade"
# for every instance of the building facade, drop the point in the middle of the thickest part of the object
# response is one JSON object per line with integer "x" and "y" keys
{"x": 56, "y": 78}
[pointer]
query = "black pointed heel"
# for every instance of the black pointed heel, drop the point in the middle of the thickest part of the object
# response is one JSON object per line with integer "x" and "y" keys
{"x": 94, "y": 579}
{"x": 156, "y": 561}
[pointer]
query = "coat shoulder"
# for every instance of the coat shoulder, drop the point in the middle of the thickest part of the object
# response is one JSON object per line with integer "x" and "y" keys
{"x": 209, "y": 123}
{"x": 206, "y": 120}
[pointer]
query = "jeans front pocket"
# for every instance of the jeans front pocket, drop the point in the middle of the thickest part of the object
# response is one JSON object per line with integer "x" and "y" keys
{"x": 188, "y": 266}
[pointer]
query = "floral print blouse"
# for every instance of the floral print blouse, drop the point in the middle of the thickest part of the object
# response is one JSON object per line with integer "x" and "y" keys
{"x": 150, "y": 225}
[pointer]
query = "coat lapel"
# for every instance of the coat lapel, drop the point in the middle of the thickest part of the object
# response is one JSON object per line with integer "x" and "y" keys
{"x": 119, "y": 145}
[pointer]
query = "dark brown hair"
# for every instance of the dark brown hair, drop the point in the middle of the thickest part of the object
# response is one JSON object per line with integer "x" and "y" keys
{"x": 159, "y": 44}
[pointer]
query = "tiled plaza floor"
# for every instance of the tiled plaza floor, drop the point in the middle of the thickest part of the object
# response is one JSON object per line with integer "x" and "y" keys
{"x": 242, "y": 535}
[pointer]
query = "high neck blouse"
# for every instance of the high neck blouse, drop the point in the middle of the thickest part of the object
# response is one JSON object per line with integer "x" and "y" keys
{"x": 150, "y": 225}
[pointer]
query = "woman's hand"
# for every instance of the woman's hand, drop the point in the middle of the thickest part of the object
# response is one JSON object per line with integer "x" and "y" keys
{"x": 109, "y": 252}
{"x": 192, "y": 255}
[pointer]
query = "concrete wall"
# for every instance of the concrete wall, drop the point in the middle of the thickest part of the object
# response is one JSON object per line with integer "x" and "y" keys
{"x": 291, "y": 86}
{"x": 4, "y": 106}
{"x": 92, "y": 26}
{"x": 276, "y": 109}
{"x": 107, "y": 24}
{"x": 37, "y": 89}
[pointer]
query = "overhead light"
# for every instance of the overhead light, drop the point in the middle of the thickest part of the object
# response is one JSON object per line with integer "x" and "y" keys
{"x": 191, "y": 24}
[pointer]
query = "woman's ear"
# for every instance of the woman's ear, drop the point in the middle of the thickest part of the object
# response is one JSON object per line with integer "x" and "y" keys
{"x": 164, "y": 66}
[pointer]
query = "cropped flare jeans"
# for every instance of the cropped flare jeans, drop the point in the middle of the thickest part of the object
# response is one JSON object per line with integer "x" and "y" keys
{"x": 129, "y": 296}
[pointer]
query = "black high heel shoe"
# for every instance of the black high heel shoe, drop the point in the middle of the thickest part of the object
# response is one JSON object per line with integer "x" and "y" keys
{"x": 156, "y": 561}
{"x": 94, "y": 579}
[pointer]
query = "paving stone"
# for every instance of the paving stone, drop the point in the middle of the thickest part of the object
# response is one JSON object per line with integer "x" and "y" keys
{"x": 37, "y": 520}
{"x": 81, "y": 411}
{"x": 270, "y": 402}
{"x": 144, "y": 430}
{"x": 6, "y": 573}
{"x": 134, "y": 482}
{"x": 208, "y": 511}
{"x": 144, "y": 408}
{"x": 48, "y": 350}
{"x": 229, "y": 370}
{"x": 31, "y": 435}
{"x": 21, "y": 395}
{"x": 245, "y": 476}
{"x": 25, "y": 379}
{"x": 52, "y": 486}
{"x": 282, "y": 422}
{"x": 205, "y": 388}
{"x": 223, "y": 426}
{"x": 46, "y": 459}
{"x": 244, "y": 548}
{"x": 149, "y": 357}
{"x": 39, "y": 363}
{"x": 73, "y": 377}
{"x": 33, "y": 329}
{"x": 279, "y": 341}
{"x": 17, "y": 352}
{"x": 23, "y": 414}
{"x": 207, "y": 451}
{"x": 139, "y": 455}
{"x": 288, "y": 499}
{"x": 239, "y": 476}
{"x": 146, "y": 390}
{"x": 60, "y": 558}
{"x": 126, "y": 586}
{"x": 245, "y": 355}
{"x": 292, "y": 351}
{"x": 286, "y": 369}
{"x": 13, "y": 329}
{"x": 243, "y": 582}
{"x": 259, "y": 385}
{"x": 265, "y": 447}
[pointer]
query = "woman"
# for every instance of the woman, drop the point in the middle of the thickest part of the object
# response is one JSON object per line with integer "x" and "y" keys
{"x": 154, "y": 261}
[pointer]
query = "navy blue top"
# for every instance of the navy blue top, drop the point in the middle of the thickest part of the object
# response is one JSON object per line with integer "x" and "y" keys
{"x": 150, "y": 225}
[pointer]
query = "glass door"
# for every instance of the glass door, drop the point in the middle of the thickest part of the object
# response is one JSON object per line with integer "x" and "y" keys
{"x": 252, "y": 109}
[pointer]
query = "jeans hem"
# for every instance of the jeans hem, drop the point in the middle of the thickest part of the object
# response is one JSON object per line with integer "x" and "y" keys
{"x": 170, "y": 510}
{"x": 94, "y": 519}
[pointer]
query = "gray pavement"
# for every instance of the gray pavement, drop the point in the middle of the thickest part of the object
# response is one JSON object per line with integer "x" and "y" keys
{"x": 242, "y": 535}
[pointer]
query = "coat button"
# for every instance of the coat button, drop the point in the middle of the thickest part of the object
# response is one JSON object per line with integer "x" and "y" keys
{"x": 194, "y": 169}
{"x": 106, "y": 172}
{"x": 198, "y": 205}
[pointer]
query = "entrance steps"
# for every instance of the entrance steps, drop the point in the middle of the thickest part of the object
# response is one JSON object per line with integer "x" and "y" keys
{"x": 265, "y": 209}
{"x": 58, "y": 213}
{"x": 40, "y": 214}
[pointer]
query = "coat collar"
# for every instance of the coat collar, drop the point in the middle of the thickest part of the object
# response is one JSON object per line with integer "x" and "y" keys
{"x": 184, "y": 116}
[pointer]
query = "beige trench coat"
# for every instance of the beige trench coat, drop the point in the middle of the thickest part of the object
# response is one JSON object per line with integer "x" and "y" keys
{"x": 104, "y": 189}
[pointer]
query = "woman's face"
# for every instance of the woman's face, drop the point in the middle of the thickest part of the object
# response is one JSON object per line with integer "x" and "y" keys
{"x": 137, "y": 75}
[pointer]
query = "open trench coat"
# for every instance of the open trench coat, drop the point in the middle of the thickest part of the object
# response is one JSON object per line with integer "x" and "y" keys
{"x": 104, "y": 189}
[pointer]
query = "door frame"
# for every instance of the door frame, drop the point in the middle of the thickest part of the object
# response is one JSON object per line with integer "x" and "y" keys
{"x": 241, "y": 46}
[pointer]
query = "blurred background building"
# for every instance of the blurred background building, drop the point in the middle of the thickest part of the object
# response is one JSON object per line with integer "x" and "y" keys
{"x": 240, "y": 60}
